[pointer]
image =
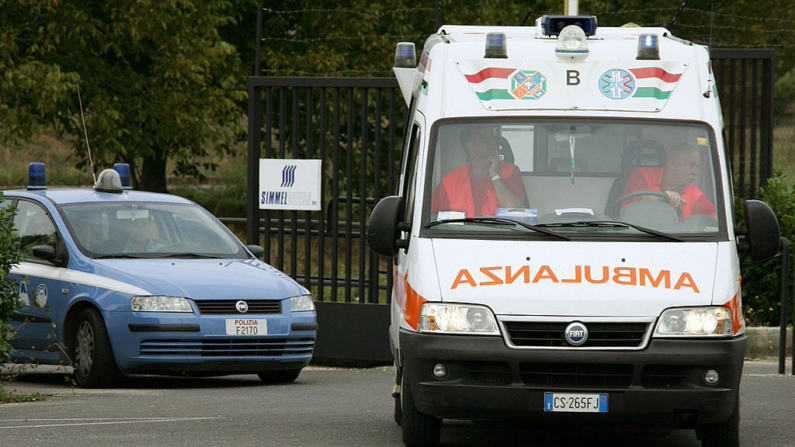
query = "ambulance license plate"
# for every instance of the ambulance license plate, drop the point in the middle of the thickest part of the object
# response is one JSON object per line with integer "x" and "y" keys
{"x": 575, "y": 403}
{"x": 243, "y": 326}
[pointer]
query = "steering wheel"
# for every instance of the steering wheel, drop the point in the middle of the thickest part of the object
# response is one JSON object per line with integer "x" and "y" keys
{"x": 615, "y": 207}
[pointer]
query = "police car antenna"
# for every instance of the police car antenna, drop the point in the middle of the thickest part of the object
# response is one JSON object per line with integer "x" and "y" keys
{"x": 85, "y": 132}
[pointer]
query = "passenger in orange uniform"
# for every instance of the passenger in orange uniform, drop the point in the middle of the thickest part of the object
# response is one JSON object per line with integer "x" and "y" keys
{"x": 483, "y": 184}
{"x": 675, "y": 179}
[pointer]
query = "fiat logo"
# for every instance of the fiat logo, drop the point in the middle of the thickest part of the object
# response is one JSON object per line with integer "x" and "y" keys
{"x": 241, "y": 307}
{"x": 576, "y": 334}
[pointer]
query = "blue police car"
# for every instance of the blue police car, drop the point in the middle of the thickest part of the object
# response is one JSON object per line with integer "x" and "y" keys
{"x": 115, "y": 281}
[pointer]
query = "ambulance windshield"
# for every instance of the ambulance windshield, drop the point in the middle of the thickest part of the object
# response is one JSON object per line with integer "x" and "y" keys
{"x": 148, "y": 230}
{"x": 575, "y": 177}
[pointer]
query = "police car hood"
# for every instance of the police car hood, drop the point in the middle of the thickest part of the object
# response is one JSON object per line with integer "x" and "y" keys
{"x": 202, "y": 278}
{"x": 615, "y": 279}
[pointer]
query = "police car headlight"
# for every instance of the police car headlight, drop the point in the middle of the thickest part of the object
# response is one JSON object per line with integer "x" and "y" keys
{"x": 302, "y": 303}
{"x": 457, "y": 319}
{"x": 160, "y": 304}
{"x": 695, "y": 322}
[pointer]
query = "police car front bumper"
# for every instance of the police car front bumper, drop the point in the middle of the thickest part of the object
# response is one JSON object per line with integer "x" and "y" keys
{"x": 661, "y": 385}
{"x": 169, "y": 343}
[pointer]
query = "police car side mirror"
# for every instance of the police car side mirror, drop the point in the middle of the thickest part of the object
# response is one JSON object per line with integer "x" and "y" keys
{"x": 762, "y": 235}
{"x": 48, "y": 253}
{"x": 256, "y": 250}
{"x": 385, "y": 225}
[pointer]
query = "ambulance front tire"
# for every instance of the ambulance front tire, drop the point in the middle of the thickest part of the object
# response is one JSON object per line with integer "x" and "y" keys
{"x": 723, "y": 434}
{"x": 419, "y": 430}
{"x": 94, "y": 365}
{"x": 283, "y": 376}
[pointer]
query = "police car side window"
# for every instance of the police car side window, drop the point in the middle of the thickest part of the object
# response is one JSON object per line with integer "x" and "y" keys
{"x": 35, "y": 228}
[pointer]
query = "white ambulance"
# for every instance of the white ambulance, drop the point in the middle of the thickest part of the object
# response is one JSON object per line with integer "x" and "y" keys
{"x": 563, "y": 236}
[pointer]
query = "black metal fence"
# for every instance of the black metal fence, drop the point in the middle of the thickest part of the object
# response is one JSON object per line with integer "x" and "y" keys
{"x": 355, "y": 126}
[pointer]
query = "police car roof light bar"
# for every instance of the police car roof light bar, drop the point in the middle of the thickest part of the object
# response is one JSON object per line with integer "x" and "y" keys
{"x": 37, "y": 177}
{"x": 496, "y": 46}
{"x": 124, "y": 174}
{"x": 553, "y": 25}
{"x": 108, "y": 181}
{"x": 648, "y": 47}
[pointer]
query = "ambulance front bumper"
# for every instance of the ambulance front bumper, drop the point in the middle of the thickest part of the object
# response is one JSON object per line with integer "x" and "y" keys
{"x": 486, "y": 380}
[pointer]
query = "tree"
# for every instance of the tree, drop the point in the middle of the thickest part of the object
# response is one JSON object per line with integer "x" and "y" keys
{"x": 158, "y": 83}
{"x": 9, "y": 257}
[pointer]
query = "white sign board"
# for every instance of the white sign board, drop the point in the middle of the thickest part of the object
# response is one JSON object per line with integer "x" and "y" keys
{"x": 289, "y": 184}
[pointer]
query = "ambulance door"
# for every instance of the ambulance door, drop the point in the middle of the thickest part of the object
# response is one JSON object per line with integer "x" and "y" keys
{"x": 38, "y": 279}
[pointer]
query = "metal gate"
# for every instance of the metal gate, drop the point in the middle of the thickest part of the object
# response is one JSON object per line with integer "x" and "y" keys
{"x": 355, "y": 126}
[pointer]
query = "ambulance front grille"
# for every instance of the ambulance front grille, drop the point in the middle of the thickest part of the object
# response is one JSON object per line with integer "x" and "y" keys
{"x": 576, "y": 375}
{"x": 228, "y": 347}
{"x": 600, "y": 335}
{"x": 491, "y": 373}
{"x": 663, "y": 376}
{"x": 227, "y": 307}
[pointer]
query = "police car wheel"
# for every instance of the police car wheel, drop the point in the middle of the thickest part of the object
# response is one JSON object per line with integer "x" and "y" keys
{"x": 94, "y": 365}
{"x": 285, "y": 376}
{"x": 419, "y": 429}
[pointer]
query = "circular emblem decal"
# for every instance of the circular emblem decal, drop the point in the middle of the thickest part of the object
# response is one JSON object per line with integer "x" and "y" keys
{"x": 576, "y": 334}
{"x": 241, "y": 307}
{"x": 617, "y": 84}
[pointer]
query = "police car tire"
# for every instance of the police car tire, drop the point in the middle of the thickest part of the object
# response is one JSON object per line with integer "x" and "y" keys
{"x": 103, "y": 372}
{"x": 419, "y": 429}
{"x": 284, "y": 376}
{"x": 723, "y": 434}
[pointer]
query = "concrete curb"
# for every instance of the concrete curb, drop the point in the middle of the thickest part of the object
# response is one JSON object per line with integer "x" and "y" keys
{"x": 764, "y": 342}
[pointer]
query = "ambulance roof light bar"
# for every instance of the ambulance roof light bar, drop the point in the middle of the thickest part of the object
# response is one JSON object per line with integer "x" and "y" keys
{"x": 496, "y": 46}
{"x": 648, "y": 47}
{"x": 554, "y": 25}
{"x": 37, "y": 177}
{"x": 572, "y": 43}
{"x": 405, "y": 55}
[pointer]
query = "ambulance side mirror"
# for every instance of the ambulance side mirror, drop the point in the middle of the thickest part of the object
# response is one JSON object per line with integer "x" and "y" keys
{"x": 385, "y": 226}
{"x": 762, "y": 235}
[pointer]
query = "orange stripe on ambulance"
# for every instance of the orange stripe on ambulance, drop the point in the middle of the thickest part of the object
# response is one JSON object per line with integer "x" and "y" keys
{"x": 625, "y": 276}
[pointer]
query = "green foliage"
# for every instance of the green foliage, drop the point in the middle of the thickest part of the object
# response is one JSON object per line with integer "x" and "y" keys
{"x": 157, "y": 81}
{"x": 762, "y": 280}
{"x": 9, "y": 256}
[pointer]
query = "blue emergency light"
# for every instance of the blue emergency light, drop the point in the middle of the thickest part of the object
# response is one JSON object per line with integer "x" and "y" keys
{"x": 648, "y": 47}
{"x": 405, "y": 55}
{"x": 553, "y": 25}
{"x": 496, "y": 45}
{"x": 37, "y": 177}
{"x": 124, "y": 174}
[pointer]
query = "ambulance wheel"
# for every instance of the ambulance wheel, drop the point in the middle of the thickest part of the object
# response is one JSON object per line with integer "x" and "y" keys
{"x": 398, "y": 412}
{"x": 723, "y": 434}
{"x": 94, "y": 364}
{"x": 419, "y": 430}
{"x": 283, "y": 376}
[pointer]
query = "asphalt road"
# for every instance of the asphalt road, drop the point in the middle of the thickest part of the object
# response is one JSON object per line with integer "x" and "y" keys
{"x": 324, "y": 407}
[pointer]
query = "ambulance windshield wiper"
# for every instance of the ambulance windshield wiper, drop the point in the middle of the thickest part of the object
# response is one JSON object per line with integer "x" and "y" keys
{"x": 611, "y": 223}
{"x": 499, "y": 221}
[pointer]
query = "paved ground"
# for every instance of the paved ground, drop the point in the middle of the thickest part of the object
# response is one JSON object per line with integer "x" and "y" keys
{"x": 325, "y": 407}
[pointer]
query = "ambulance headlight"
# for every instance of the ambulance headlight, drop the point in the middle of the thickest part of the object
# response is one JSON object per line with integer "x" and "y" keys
{"x": 457, "y": 319}
{"x": 302, "y": 303}
{"x": 160, "y": 304}
{"x": 695, "y": 322}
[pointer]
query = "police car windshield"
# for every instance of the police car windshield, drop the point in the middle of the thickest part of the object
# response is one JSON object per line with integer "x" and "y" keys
{"x": 148, "y": 230}
{"x": 648, "y": 174}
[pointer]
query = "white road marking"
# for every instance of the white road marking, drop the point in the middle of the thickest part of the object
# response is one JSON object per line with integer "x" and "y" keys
{"x": 98, "y": 421}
